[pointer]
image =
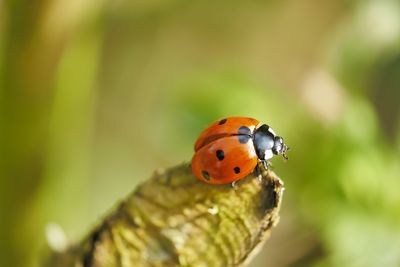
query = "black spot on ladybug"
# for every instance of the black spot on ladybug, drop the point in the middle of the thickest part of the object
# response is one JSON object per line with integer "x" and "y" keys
{"x": 220, "y": 154}
{"x": 243, "y": 139}
{"x": 206, "y": 175}
{"x": 244, "y": 130}
{"x": 222, "y": 121}
{"x": 236, "y": 170}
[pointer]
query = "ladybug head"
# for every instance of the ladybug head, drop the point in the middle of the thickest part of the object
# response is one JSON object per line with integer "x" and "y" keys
{"x": 280, "y": 147}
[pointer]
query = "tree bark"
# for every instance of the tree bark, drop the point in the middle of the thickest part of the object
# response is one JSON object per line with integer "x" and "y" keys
{"x": 173, "y": 219}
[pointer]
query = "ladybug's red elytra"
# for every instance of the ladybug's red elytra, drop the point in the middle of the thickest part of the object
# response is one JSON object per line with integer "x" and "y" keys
{"x": 229, "y": 149}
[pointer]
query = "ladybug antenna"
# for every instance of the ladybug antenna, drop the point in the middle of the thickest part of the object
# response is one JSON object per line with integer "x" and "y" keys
{"x": 284, "y": 149}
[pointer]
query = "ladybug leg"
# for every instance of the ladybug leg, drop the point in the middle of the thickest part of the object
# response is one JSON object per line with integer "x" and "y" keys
{"x": 257, "y": 171}
{"x": 263, "y": 165}
{"x": 266, "y": 164}
{"x": 233, "y": 184}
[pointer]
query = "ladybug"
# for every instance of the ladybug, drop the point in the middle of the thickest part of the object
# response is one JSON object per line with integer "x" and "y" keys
{"x": 229, "y": 149}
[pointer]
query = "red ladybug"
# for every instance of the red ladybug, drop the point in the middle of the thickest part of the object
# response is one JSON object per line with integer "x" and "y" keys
{"x": 229, "y": 149}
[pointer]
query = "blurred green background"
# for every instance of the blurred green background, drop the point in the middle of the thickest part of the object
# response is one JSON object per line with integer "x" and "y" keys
{"x": 95, "y": 95}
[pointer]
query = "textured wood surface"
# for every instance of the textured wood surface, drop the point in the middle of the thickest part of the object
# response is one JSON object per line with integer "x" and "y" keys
{"x": 173, "y": 219}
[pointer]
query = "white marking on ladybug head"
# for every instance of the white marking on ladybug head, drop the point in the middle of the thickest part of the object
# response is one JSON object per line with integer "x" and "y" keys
{"x": 268, "y": 154}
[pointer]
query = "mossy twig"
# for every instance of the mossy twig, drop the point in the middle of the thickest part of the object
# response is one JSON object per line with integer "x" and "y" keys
{"x": 173, "y": 219}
